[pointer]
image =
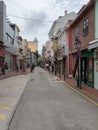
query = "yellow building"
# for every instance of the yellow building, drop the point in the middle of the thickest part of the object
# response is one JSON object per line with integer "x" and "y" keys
{"x": 33, "y": 45}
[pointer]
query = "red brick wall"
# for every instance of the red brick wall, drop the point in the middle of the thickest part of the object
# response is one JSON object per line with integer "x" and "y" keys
{"x": 90, "y": 15}
{"x": 69, "y": 38}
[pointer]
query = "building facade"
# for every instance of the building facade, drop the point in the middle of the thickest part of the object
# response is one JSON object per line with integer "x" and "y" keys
{"x": 58, "y": 37}
{"x": 2, "y": 34}
{"x": 33, "y": 47}
{"x": 8, "y": 36}
{"x": 83, "y": 28}
{"x": 93, "y": 46}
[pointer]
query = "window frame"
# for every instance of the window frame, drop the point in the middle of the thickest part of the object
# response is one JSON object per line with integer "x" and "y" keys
{"x": 85, "y": 27}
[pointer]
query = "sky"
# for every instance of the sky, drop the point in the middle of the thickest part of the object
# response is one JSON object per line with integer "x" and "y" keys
{"x": 35, "y": 17}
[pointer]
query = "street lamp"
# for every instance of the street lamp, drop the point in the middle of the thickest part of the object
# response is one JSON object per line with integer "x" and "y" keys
{"x": 78, "y": 44}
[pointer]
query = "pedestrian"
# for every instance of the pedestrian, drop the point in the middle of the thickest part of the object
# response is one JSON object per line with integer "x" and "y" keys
{"x": 3, "y": 69}
{"x": 6, "y": 67}
{"x": 21, "y": 67}
{"x": 16, "y": 68}
{"x": 52, "y": 68}
{"x": 32, "y": 67}
{"x": 0, "y": 70}
{"x": 77, "y": 77}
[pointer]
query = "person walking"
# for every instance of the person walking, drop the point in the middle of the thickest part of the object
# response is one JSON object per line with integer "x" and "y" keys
{"x": 21, "y": 67}
{"x": 52, "y": 68}
{"x": 6, "y": 68}
{"x": 77, "y": 77}
{"x": 17, "y": 68}
{"x": 32, "y": 67}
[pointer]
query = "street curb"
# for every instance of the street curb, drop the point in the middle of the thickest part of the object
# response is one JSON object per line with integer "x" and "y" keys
{"x": 8, "y": 76}
{"x": 15, "y": 107}
{"x": 13, "y": 112}
{"x": 94, "y": 101}
{"x": 77, "y": 90}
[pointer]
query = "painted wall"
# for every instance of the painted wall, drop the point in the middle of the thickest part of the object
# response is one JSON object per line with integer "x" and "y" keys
{"x": 96, "y": 19}
{"x": 8, "y": 60}
{"x": 96, "y": 36}
{"x": 60, "y": 23}
{"x": 32, "y": 46}
{"x": 96, "y": 74}
{"x": 2, "y": 21}
{"x": 48, "y": 51}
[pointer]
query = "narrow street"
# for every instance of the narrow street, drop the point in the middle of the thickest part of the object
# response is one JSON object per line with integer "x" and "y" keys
{"x": 48, "y": 104}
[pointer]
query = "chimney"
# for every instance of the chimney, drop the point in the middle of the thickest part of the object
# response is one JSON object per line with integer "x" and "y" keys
{"x": 65, "y": 12}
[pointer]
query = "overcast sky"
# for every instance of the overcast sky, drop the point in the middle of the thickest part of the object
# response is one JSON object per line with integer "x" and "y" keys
{"x": 35, "y": 17}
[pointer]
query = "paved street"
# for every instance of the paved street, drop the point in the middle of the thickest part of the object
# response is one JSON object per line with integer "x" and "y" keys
{"x": 11, "y": 90}
{"x": 48, "y": 104}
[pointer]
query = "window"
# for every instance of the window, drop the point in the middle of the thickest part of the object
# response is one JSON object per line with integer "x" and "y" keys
{"x": 10, "y": 39}
{"x": 77, "y": 36}
{"x": 85, "y": 28}
{"x": 77, "y": 32}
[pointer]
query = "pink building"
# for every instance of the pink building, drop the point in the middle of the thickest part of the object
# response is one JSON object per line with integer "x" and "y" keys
{"x": 69, "y": 41}
{"x": 48, "y": 49}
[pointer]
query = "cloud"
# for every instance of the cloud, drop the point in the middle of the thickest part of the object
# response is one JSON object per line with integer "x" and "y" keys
{"x": 40, "y": 11}
{"x": 70, "y": 5}
{"x": 35, "y": 22}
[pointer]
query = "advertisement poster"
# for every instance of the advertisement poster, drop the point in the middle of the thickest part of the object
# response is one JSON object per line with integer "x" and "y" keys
{"x": 90, "y": 64}
{"x": 90, "y": 70}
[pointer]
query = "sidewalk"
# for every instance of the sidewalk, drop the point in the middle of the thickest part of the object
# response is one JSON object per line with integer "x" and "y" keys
{"x": 11, "y": 90}
{"x": 90, "y": 92}
{"x": 14, "y": 73}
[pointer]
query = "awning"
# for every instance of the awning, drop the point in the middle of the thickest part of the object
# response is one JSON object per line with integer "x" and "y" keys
{"x": 93, "y": 44}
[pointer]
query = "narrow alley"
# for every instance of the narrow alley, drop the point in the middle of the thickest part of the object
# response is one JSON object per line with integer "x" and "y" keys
{"x": 48, "y": 104}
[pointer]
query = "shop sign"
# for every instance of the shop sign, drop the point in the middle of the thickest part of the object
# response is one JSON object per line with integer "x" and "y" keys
{"x": 61, "y": 52}
{"x": 83, "y": 69}
{"x": 55, "y": 45}
{"x": 66, "y": 50}
{"x": 78, "y": 53}
{"x": 60, "y": 58}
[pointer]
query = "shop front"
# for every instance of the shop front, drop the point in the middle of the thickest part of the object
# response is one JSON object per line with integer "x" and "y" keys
{"x": 2, "y": 56}
{"x": 87, "y": 68}
{"x": 61, "y": 62}
{"x": 93, "y": 46}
